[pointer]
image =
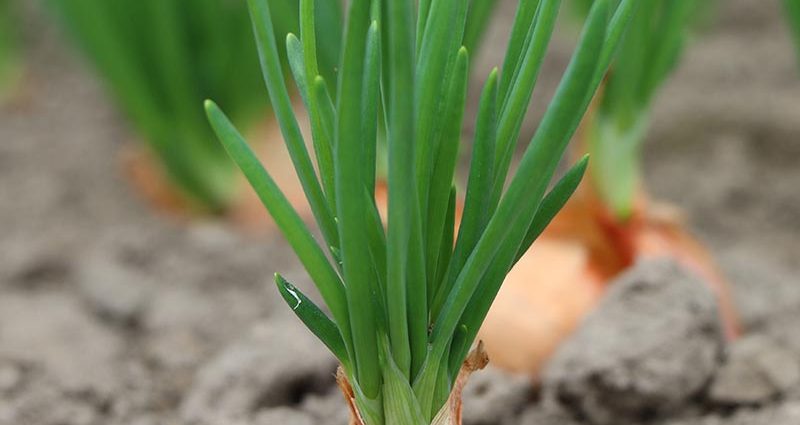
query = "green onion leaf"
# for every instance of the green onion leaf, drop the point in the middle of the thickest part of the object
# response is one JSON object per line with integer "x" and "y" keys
{"x": 553, "y": 203}
{"x": 402, "y": 204}
{"x": 287, "y": 219}
{"x": 350, "y": 166}
{"x": 514, "y": 108}
{"x": 399, "y": 402}
{"x": 273, "y": 76}
{"x": 444, "y": 168}
{"x": 436, "y": 67}
{"x": 316, "y": 321}
{"x": 508, "y": 226}
{"x": 476, "y": 206}
{"x": 480, "y": 13}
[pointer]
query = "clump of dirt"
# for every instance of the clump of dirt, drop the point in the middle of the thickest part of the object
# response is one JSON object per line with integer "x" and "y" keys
{"x": 653, "y": 349}
{"x": 278, "y": 365}
{"x": 649, "y": 347}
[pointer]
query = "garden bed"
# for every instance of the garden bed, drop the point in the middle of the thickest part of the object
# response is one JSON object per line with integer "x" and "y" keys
{"x": 110, "y": 314}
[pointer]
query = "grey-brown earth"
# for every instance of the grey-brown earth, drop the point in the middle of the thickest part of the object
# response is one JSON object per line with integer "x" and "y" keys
{"x": 651, "y": 345}
{"x": 111, "y": 314}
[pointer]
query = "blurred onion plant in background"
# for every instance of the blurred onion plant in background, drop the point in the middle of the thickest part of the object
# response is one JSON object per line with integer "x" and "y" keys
{"x": 619, "y": 121}
{"x": 792, "y": 10}
{"x": 161, "y": 58}
{"x": 10, "y": 68}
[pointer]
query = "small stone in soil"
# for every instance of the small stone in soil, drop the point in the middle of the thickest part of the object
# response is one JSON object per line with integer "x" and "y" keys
{"x": 284, "y": 416}
{"x": 492, "y": 397}
{"x": 10, "y": 376}
{"x": 651, "y": 345}
{"x": 757, "y": 369}
{"x": 327, "y": 409}
{"x": 112, "y": 291}
{"x": 542, "y": 415}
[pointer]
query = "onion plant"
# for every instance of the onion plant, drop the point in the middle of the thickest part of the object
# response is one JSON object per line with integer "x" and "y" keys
{"x": 617, "y": 127}
{"x": 792, "y": 9}
{"x": 406, "y": 300}
{"x": 161, "y": 58}
{"x": 9, "y": 61}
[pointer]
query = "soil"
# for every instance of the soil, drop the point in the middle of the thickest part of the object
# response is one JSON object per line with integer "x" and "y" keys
{"x": 112, "y": 314}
